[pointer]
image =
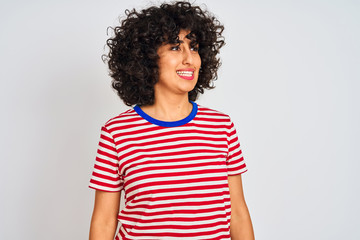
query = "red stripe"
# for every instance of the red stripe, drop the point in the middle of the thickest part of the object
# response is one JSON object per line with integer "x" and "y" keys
{"x": 100, "y": 152}
{"x": 154, "y": 205}
{"x": 105, "y": 169}
{"x": 173, "y": 182}
{"x": 104, "y": 184}
{"x": 193, "y": 219}
{"x": 175, "y": 233}
{"x": 177, "y": 139}
{"x": 143, "y": 136}
{"x": 153, "y": 164}
{"x": 95, "y": 174}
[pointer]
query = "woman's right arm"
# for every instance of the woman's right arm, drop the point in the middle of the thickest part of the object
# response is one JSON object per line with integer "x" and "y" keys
{"x": 104, "y": 218}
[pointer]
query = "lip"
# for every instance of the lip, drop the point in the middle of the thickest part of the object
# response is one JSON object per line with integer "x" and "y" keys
{"x": 187, "y": 77}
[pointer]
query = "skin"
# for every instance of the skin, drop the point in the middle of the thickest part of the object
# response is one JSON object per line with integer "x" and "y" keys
{"x": 171, "y": 91}
{"x": 240, "y": 224}
{"x": 104, "y": 218}
{"x": 171, "y": 104}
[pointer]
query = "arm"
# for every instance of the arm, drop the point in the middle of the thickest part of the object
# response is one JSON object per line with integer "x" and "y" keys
{"x": 104, "y": 218}
{"x": 240, "y": 224}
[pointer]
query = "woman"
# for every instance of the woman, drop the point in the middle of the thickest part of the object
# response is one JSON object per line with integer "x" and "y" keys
{"x": 179, "y": 163}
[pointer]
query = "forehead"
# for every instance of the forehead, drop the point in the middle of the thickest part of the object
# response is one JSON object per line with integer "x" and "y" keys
{"x": 185, "y": 36}
{"x": 183, "y": 33}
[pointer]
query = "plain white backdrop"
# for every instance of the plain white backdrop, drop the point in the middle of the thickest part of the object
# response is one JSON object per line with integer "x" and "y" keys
{"x": 289, "y": 80}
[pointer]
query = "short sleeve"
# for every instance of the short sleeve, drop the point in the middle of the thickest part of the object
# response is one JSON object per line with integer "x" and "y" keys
{"x": 105, "y": 176}
{"x": 235, "y": 161}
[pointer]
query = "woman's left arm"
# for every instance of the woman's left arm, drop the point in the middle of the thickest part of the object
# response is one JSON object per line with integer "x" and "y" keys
{"x": 240, "y": 225}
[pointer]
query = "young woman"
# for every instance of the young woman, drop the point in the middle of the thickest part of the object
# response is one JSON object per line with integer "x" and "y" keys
{"x": 179, "y": 163}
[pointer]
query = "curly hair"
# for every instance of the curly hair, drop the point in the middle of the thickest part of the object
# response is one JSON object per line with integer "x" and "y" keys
{"x": 132, "y": 58}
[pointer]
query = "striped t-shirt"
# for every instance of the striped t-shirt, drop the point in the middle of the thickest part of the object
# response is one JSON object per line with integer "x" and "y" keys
{"x": 174, "y": 174}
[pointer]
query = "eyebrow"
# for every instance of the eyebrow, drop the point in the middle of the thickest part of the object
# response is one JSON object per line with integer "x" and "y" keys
{"x": 181, "y": 41}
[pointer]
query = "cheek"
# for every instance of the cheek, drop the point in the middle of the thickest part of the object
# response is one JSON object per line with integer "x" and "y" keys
{"x": 198, "y": 62}
{"x": 167, "y": 65}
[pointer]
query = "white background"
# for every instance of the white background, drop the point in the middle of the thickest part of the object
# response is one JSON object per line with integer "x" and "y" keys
{"x": 289, "y": 80}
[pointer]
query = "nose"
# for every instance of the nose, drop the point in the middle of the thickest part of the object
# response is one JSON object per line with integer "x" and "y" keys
{"x": 188, "y": 57}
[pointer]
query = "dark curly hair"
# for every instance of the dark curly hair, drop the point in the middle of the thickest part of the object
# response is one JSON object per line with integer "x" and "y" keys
{"x": 133, "y": 57}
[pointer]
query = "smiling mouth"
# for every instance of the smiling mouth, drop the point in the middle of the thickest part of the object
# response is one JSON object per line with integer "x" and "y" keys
{"x": 188, "y": 75}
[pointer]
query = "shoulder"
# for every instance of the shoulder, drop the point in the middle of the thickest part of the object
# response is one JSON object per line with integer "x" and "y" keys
{"x": 213, "y": 113}
{"x": 122, "y": 119}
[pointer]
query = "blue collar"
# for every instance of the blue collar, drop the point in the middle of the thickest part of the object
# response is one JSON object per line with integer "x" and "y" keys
{"x": 165, "y": 123}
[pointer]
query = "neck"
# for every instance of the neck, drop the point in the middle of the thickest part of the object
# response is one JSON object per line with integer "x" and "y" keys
{"x": 172, "y": 108}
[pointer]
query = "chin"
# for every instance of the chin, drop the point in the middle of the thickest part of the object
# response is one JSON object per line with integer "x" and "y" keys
{"x": 189, "y": 89}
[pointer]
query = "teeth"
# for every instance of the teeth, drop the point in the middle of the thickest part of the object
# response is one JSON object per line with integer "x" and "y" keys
{"x": 185, "y": 73}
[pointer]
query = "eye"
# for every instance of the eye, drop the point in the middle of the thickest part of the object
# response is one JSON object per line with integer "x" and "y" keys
{"x": 195, "y": 49}
{"x": 175, "y": 48}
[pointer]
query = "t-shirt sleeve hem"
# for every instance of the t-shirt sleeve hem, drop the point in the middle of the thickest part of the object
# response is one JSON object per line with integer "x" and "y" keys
{"x": 233, "y": 173}
{"x": 104, "y": 190}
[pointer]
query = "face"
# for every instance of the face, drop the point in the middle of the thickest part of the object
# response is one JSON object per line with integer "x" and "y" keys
{"x": 179, "y": 66}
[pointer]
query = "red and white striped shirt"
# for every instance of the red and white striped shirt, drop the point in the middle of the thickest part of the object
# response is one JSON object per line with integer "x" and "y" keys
{"x": 174, "y": 174}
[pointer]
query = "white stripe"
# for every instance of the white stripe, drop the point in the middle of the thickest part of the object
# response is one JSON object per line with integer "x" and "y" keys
{"x": 188, "y": 192}
{"x": 103, "y": 188}
{"x": 106, "y": 180}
